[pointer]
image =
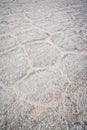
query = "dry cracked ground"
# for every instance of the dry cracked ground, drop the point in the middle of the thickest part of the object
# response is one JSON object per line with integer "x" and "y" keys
{"x": 43, "y": 64}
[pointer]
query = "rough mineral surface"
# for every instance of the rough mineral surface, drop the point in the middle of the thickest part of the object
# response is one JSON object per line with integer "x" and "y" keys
{"x": 46, "y": 54}
{"x": 43, "y": 64}
{"x": 13, "y": 66}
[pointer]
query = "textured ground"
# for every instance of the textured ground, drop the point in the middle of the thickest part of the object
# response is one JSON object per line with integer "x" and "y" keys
{"x": 43, "y": 64}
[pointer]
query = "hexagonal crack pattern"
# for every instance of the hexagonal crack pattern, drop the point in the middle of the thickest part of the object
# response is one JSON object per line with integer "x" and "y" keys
{"x": 43, "y": 65}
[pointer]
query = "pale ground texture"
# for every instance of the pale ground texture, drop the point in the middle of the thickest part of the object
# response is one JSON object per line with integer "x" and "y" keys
{"x": 43, "y": 64}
